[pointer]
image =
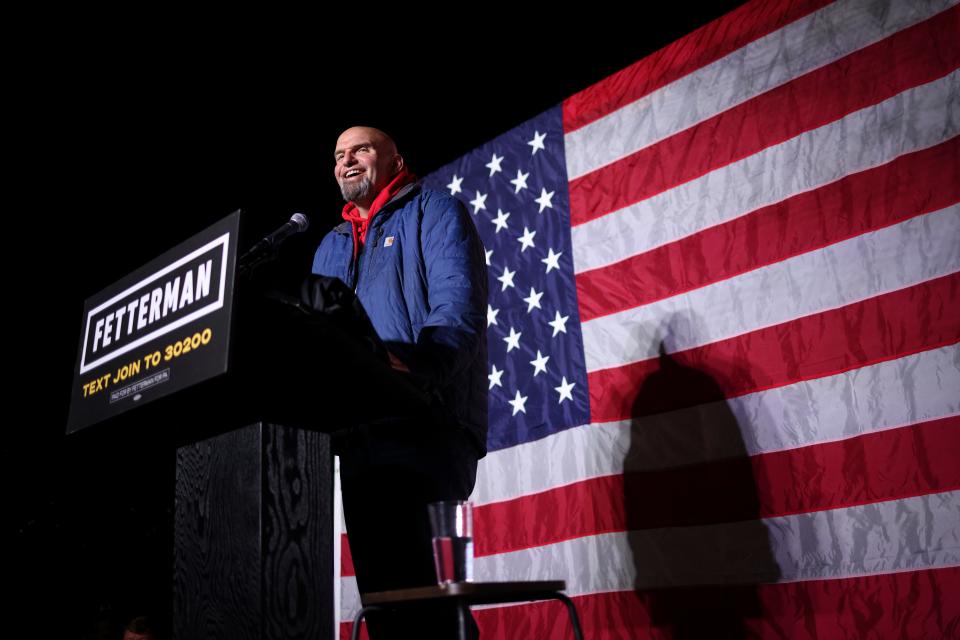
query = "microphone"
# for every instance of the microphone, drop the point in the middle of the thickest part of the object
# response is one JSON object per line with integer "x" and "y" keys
{"x": 296, "y": 224}
{"x": 269, "y": 244}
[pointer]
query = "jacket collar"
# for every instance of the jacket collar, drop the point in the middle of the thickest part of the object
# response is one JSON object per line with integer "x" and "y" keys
{"x": 346, "y": 227}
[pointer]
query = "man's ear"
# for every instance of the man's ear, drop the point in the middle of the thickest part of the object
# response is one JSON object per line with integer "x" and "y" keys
{"x": 397, "y": 164}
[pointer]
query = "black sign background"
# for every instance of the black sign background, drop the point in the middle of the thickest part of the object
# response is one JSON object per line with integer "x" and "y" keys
{"x": 168, "y": 355}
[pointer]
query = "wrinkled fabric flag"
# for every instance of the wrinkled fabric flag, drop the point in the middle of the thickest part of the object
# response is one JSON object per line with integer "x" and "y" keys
{"x": 723, "y": 327}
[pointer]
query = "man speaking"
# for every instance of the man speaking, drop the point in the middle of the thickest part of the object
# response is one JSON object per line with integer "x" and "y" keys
{"x": 415, "y": 260}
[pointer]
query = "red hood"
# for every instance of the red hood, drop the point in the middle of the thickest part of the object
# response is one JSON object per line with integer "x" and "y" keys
{"x": 360, "y": 225}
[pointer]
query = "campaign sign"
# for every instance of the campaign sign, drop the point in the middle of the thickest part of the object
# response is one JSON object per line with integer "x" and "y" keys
{"x": 160, "y": 329}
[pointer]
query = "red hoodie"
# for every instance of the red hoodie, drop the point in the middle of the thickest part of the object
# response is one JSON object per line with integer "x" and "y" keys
{"x": 360, "y": 225}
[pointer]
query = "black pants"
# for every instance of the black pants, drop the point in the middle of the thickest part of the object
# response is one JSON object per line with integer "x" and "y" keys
{"x": 389, "y": 473}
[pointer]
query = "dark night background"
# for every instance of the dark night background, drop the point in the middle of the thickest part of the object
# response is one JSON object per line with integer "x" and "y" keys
{"x": 124, "y": 141}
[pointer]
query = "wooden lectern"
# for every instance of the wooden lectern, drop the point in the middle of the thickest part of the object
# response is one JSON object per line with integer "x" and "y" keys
{"x": 245, "y": 387}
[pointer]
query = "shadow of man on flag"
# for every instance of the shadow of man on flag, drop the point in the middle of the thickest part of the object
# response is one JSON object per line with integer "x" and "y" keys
{"x": 691, "y": 502}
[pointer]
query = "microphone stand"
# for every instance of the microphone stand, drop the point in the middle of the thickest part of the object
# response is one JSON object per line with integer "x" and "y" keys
{"x": 255, "y": 257}
{"x": 268, "y": 248}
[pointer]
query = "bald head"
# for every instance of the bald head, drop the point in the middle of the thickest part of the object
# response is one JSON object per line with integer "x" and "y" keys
{"x": 369, "y": 133}
{"x": 366, "y": 161}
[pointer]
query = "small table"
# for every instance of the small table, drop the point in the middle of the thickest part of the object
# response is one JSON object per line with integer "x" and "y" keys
{"x": 465, "y": 594}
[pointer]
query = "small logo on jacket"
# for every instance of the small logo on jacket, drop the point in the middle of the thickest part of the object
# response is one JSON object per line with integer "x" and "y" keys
{"x": 388, "y": 241}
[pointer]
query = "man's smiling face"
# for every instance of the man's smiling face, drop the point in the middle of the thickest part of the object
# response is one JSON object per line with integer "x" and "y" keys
{"x": 366, "y": 160}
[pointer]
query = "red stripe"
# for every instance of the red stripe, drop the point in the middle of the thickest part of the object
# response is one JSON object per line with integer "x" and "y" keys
{"x": 914, "y": 56}
{"x": 818, "y": 477}
{"x": 347, "y": 627}
{"x": 881, "y": 328}
{"x": 915, "y": 604}
{"x": 698, "y": 49}
{"x": 911, "y": 185}
{"x": 346, "y": 557}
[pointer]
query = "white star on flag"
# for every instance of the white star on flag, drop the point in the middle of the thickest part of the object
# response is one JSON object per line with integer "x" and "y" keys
{"x": 507, "y": 278}
{"x": 526, "y": 240}
{"x": 540, "y": 364}
{"x": 494, "y": 164}
{"x": 537, "y": 142}
{"x": 565, "y": 389}
{"x": 533, "y": 300}
{"x": 454, "y": 185}
{"x": 500, "y": 220}
{"x": 544, "y": 199}
{"x": 495, "y": 375}
{"x": 520, "y": 182}
{"x": 518, "y": 403}
{"x": 478, "y": 202}
{"x": 559, "y": 324}
{"x": 492, "y": 315}
{"x": 513, "y": 340}
{"x": 489, "y": 253}
{"x": 552, "y": 260}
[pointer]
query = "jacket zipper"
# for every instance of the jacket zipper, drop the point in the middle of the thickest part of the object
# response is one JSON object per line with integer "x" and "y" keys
{"x": 356, "y": 271}
{"x": 356, "y": 259}
{"x": 357, "y": 264}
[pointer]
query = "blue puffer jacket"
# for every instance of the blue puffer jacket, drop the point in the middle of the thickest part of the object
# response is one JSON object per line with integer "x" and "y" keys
{"x": 422, "y": 279}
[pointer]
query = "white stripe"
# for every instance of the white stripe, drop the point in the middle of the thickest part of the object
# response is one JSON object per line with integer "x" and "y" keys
{"x": 350, "y": 598}
{"x": 884, "y": 537}
{"x": 913, "y": 389}
{"x": 869, "y": 265}
{"x": 916, "y": 119}
{"x": 812, "y": 42}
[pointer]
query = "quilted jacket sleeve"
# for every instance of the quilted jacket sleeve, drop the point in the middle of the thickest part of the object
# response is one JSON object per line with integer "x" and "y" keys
{"x": 457, "y": 291}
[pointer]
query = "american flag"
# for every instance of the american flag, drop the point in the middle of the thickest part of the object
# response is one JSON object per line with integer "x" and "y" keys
{"x": 723, "y": 326}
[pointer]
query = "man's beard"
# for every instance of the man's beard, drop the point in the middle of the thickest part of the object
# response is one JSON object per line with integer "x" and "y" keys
{"x": 353, "y": 191}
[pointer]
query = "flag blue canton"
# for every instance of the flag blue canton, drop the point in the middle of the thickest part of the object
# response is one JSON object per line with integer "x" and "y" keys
{"x": 515, "y": 187}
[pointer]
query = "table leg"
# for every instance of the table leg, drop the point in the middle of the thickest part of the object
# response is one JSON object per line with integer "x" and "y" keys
{"x": 572, "y": 610}
{"x": 357, "y": 619}
{"x": 463, "y": 611}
